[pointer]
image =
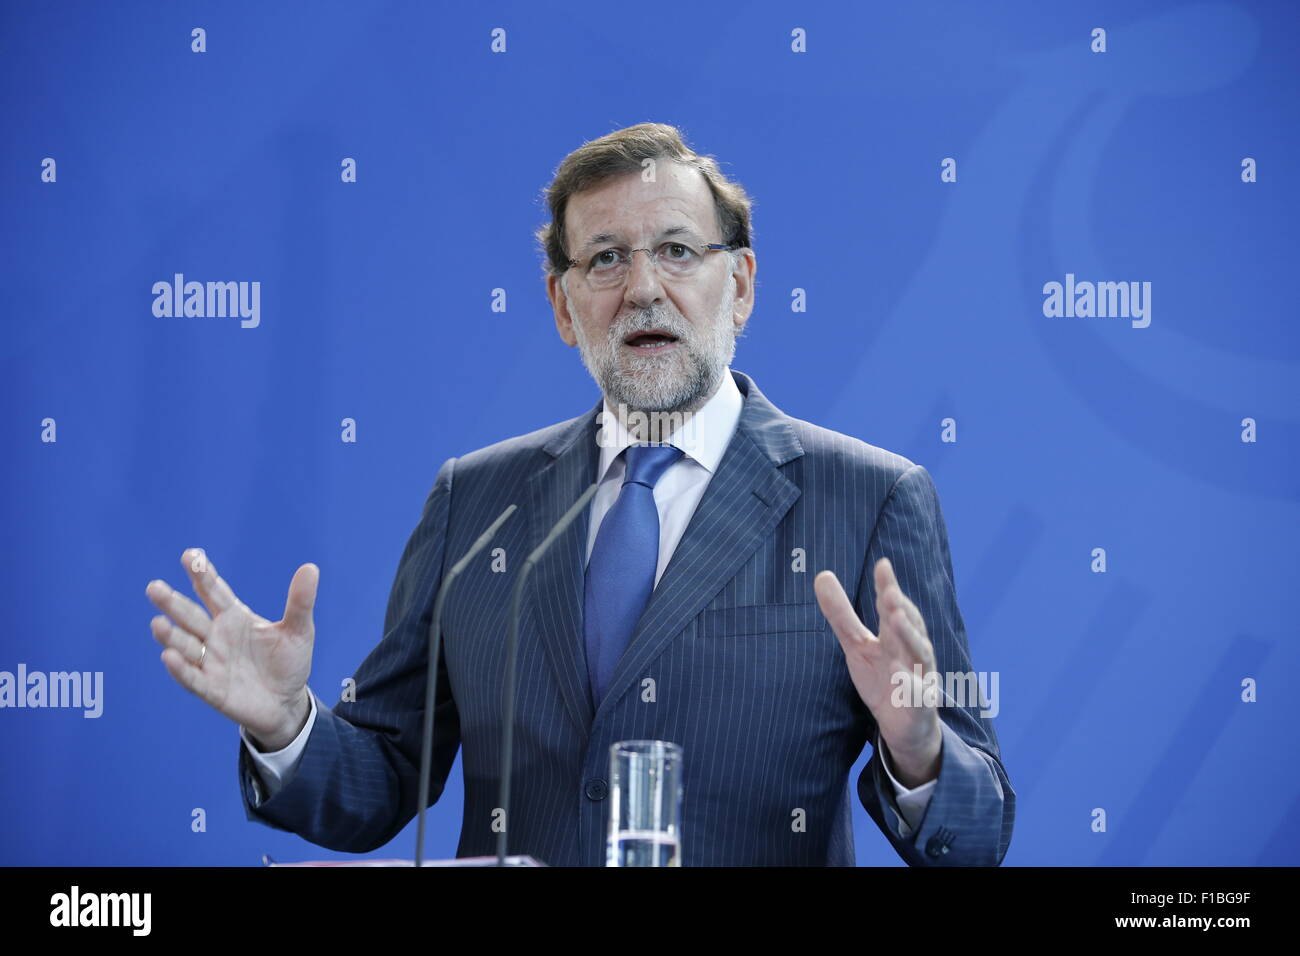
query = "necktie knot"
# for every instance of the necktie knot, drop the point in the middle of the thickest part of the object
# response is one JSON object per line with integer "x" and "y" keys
{"x": 646, "y": 464}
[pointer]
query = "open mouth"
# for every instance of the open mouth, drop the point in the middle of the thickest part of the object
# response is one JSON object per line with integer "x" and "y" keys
{"x": 650, "y": 341}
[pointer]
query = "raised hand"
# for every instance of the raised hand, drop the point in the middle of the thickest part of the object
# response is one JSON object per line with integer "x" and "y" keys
{"x": 250, "y": 669}
{"x": 912, "y": 732}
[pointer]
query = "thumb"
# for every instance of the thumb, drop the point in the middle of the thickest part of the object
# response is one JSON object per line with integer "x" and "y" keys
{"x": 839, "y": 611}
{"x": 301, "y": 600}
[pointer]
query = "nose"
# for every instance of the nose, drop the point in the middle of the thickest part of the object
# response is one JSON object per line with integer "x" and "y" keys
{"x": 641, "y": 285}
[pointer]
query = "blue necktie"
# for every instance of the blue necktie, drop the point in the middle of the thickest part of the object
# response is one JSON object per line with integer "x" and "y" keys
{"x": 621, "y": 572}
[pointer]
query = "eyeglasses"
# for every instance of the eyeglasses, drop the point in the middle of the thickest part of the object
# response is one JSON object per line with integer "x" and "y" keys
{"x": 674, "y": 260}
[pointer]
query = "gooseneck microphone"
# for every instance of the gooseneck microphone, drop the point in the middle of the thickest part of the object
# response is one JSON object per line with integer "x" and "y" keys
{"x": 431, "y": 687}
{"x": 512, "y": 656}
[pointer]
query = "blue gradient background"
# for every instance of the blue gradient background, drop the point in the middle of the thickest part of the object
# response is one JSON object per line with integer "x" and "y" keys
{"x": 1118, "y": 690}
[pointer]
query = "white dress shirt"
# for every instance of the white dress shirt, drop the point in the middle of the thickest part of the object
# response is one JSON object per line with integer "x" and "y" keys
{"x": 703, "y": 441}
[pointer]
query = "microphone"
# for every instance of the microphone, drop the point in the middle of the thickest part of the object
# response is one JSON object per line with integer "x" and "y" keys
{"x": 431, "y": 687}
{"x": 512, "y": 659}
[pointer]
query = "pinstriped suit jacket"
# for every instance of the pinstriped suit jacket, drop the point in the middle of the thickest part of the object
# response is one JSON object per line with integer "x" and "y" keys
{"x": 732, "y": 659}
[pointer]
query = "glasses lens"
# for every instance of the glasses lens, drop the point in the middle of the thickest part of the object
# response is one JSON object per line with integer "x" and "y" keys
{"x": 609, "y": 267}
{"x": 605, "y": 268}
{"x": 679, "y": 258}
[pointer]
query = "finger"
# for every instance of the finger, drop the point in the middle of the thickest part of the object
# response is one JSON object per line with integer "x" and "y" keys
{"x": 902, "y": 628}
{"x": 169, "y": 635}
{"x": 302, "y": 599}
{"x": 890, "y": 596}
{"x": 916, "y": 643}
{"x": 839, "y": 610}
{"x": 886, "y": 586}
{"x": 182, "y": 610}
{"x": 209, "y": 585}
{"x": 186, "y": 674}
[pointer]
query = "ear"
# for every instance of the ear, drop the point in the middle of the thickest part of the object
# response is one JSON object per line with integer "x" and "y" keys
{"x": 743, "y": 275}
{"x": 560, "y": 306}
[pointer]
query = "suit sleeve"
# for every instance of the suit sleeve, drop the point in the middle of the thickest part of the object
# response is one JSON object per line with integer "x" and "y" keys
{"x": 969, "y": 817}
{"x": 356, "y": 785}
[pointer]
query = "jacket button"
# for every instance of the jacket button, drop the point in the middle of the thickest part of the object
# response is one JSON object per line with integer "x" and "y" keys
{"x": 937, "y": 846}
{"x": 597, "y": 789}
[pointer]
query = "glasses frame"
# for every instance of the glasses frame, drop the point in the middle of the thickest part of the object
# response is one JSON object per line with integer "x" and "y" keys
{"x": 653, "y": 254}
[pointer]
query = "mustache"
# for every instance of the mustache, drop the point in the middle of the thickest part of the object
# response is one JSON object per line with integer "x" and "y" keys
{"x": 645, "y": 322}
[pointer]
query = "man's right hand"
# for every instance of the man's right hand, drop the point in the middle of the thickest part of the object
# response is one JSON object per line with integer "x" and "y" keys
{"x": 254, "y": 671}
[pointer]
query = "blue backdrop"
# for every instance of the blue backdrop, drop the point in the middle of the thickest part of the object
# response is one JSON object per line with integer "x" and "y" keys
{"x": 1170, "y": 445}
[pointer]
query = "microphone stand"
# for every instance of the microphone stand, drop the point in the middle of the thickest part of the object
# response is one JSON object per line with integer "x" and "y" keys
{"x": 512, "y": 655}
{"x": 431, "y": 685}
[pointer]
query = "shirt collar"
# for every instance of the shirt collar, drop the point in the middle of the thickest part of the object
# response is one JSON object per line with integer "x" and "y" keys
{"x": 703, "y": 439}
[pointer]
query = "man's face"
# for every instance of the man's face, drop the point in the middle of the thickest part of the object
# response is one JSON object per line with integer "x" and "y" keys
{"x": 701, "y": 316}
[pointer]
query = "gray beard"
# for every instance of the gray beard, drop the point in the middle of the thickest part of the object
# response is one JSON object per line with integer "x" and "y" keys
{"x": 681, "y": 381}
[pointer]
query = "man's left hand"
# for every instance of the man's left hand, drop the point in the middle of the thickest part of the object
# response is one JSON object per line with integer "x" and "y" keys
{"x": 912, "y": 733}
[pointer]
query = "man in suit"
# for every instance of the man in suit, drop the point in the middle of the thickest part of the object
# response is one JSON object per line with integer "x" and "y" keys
{"x": 684, "y": 608}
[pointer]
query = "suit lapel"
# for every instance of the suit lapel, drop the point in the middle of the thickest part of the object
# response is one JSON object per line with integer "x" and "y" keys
{"x": 744, "y": 501}
{"x": 553, "y": 595}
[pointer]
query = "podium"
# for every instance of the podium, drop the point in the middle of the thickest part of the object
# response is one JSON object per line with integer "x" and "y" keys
{"x": 461, "y": 861}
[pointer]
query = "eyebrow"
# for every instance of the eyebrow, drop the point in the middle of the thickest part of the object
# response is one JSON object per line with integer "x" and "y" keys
{"x": 603, "y": 237}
